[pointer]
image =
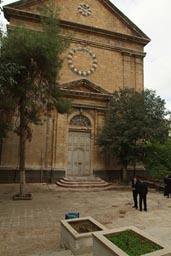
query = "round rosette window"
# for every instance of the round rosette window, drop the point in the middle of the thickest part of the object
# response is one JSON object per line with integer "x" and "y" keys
{"x": 84, "y": 9}
{"x": 82, "y": 61}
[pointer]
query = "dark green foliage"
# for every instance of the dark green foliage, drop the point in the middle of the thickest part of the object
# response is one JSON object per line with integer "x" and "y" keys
{"x": 134, "y": 118}
{"x": 37, "y": 56}
{"x": 4, "y": 128}
{"x": 158, "y": 159}
{"x": 33, "y": 88}
{"x": 133, "y": 244}
{"x": 155, "y": 122}
{"x": 8, "y": 72}
{"x": 122, "y": 125}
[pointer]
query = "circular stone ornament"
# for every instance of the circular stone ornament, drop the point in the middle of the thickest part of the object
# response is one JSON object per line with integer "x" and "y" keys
{"x": 84, "y": 9}
{"x": 78, "y": 60}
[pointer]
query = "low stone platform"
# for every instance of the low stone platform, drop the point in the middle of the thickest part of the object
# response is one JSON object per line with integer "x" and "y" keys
{"x": 84, "y": 183}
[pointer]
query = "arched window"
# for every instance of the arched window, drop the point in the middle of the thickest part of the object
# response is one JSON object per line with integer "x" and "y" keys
{"x": 80, "y": 120}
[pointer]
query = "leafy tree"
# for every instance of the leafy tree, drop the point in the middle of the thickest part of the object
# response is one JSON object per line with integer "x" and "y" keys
{"x": 158, "y": 159}
{"x": 7, "y": 73}
{"x": 133, "y": 119}
{"x": 34, "y": 92}
{"x": 1, "y": 17}
{"x": 7, "y": 104}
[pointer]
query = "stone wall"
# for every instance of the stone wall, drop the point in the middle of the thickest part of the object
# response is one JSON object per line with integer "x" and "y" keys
{"x": 107, "y": 51}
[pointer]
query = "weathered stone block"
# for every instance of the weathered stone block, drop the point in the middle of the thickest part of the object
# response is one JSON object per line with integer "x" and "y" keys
{"x": 76, "y": 234}
{"x": 103, "y": 246}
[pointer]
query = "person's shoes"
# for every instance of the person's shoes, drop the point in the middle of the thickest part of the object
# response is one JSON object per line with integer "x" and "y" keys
{"x": 140, "y": 210}
{"x": 145, "y": 210}
{"x": 134, "y": 206}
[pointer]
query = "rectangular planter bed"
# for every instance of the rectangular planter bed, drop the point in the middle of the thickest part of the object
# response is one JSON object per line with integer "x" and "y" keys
{"x": 108, "y": 243}
{"x": 76, "y": 234}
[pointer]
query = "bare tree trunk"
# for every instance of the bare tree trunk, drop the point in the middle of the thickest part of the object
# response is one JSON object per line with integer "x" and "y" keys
{"x": 1, "y": 141}
{"x": 22, "y": 145}
{"x": 124, "y": 173}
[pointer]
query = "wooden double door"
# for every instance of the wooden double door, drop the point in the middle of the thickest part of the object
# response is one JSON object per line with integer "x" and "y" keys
{"x": 78, "y": 154}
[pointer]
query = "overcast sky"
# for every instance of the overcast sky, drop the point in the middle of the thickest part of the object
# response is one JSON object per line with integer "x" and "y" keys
{"x": 154, "y": 19}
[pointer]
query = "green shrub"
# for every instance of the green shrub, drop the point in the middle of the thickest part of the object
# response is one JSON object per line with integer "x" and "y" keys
{"x": 132, "y": 243}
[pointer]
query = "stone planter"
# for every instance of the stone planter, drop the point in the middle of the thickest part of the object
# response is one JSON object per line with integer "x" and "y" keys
{"x": 76, "y": 234}
{"x": 103, "y": 246}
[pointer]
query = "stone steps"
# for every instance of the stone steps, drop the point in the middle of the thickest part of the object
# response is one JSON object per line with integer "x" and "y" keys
{"x": 83, "y": 182}
{"x": 84, "y": 179}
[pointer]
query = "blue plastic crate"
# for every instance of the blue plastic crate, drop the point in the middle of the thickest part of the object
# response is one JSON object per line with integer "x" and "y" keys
{"x": 72, "y": 215}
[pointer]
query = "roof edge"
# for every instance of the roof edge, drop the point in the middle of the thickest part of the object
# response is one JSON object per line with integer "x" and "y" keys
{"x": 9, "y": 11}
{"x": 125, "y": 18}
{"x": 108, "y": 3}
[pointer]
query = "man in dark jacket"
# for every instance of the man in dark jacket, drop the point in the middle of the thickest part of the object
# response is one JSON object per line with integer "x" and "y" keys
{"x": 166, "y": 188}
{"x": 134, "y": 184}
{"x": 169, "y": 186}
{"x": 142, "y": 189}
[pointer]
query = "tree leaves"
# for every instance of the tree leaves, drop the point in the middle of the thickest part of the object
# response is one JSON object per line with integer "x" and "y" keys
{"x": 134, "y": 118}
{"x": 31, "y": 63}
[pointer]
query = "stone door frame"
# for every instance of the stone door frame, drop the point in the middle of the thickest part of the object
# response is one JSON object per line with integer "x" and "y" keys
{"x": 83, "y": 130}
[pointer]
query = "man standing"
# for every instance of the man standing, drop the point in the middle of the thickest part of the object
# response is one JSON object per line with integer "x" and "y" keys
{"x": 168, "y": 186}
{"x": 135, "y": 192}
{"x": 166, "y": 189}
{"x": 142, "y": 190}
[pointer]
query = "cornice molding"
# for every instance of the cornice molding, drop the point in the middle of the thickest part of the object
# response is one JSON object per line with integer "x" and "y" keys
{"x": 124, "y": 18}
{"x": 103, "y": 32}
{"x": 106, "y": 46}
{"x": 89, "y": 106}
{"x": 72, "y": 85}
{"x": 107, "y": 3}
{"x": 86, "y": 95}
{"x": 122, "y": 50}
{"x": 11, "y": 12}
{"x": 21, "y": 3}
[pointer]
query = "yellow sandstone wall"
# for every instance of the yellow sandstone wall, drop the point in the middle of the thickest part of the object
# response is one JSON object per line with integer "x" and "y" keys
{"x": 119, "y": 65}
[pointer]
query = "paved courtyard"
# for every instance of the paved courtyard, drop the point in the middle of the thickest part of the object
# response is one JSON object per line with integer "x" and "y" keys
{"x": 32, "y": 228}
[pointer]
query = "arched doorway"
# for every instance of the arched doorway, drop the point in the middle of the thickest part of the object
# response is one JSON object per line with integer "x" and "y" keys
{"x": 79, "y": 146}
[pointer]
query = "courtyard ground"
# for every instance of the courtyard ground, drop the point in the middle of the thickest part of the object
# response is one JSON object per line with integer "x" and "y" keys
{"x": 32, "y": 228}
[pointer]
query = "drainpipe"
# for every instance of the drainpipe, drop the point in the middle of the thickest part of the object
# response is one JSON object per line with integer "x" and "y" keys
{"x": 52, "y": 149}
{"x": 46, "y": 145}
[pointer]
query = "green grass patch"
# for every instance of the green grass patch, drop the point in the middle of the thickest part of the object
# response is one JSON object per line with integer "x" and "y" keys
{"x": 132, "y": 243}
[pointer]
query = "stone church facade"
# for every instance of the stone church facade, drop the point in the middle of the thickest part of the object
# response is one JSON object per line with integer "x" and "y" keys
{"x": 106, "y": 53}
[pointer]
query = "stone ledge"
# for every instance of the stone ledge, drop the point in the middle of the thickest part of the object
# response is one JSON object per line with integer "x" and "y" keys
{"x": 101, "y": 245}
{"x": 24, "y": 197}
{"x": 79, "y": 242}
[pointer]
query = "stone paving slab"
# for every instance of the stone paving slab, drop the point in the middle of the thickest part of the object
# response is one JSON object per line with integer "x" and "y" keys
{"x": 59, "y": 253}
{"x": 32, "y": 228}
